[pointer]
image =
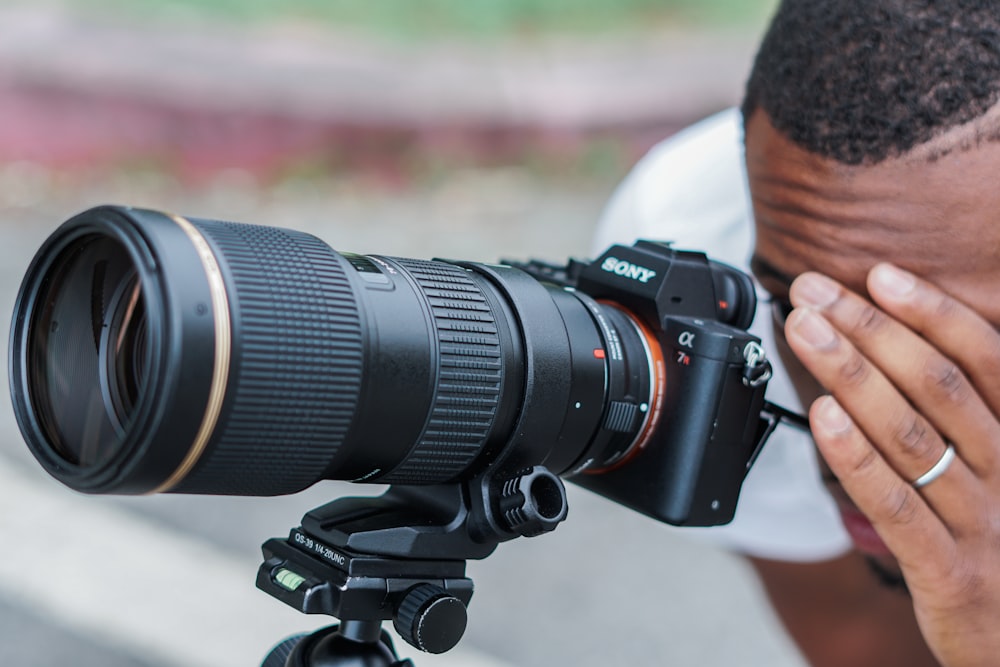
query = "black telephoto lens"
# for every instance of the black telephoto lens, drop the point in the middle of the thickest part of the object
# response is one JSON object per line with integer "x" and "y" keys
{"x": 155, "y": 353}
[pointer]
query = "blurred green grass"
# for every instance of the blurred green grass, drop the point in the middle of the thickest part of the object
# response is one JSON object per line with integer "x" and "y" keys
{"x": 600, "y": 157}
{"x": 415, "y": 20}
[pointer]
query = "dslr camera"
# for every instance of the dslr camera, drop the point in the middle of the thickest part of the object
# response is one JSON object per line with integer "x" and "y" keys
{"x": 155, "y": 353}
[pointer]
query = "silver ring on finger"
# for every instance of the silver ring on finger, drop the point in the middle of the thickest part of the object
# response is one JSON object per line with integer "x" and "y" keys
{"x": 937, "y": 469}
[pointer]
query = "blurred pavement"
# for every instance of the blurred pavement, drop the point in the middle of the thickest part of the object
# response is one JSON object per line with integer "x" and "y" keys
{"x": 168, "y": 581}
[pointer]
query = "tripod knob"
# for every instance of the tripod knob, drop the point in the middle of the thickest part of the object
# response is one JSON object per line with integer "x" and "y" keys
{"x": 430, "y": 619}
{"x": 533, "y": 501}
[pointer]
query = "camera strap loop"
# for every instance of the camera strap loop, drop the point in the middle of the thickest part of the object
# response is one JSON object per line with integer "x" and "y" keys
{"x": 757, "y": 368}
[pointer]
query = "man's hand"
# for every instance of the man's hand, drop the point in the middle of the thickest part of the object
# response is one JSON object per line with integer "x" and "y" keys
{"x": 907, "y": 377}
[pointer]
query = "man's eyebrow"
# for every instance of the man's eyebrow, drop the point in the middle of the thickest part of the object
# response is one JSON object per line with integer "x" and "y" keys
{"x": 764, "y": 269}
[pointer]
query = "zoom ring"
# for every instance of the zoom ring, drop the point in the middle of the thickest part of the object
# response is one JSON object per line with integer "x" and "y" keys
{"x": 297, "y": 369}
{"x": 470, "y": 369}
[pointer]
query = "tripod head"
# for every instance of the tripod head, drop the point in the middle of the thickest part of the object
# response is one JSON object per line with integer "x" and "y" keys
{"x": 399, "y": 557}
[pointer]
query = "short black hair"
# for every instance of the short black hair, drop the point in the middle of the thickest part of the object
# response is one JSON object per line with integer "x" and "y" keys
{"x": 860, "y": 81}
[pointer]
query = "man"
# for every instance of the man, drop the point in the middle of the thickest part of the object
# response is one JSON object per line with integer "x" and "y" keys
{"x": 872, "y": 143}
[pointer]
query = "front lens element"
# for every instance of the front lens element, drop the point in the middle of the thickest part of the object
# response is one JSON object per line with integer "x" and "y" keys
{"x": 88, "y": 350}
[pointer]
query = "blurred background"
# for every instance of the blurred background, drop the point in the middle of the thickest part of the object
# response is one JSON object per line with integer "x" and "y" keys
{"x": 472, "y": 129}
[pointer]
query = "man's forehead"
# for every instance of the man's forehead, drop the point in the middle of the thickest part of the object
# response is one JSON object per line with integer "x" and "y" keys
{"x": 927, "y": 216}
{"x": 958, "y": 168}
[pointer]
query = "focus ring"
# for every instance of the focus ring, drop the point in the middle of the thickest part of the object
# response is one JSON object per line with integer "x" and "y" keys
{"x": 470, "y": 364}
{"x": 297, "y": 366}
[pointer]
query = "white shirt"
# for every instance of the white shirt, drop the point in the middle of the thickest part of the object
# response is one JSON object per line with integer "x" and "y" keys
{"x": 691, "y": 189}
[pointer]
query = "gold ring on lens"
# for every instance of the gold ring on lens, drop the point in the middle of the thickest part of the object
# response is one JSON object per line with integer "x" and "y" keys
{"x": 223, "y": 352}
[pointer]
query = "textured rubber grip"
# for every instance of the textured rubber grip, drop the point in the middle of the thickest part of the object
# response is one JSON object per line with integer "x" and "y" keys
{"x": 295, "y": 378}
{"x": 470, "y": 368}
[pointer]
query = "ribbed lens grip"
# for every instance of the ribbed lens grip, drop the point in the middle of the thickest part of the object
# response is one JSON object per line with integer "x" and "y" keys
{"x": 296, "y": 374}
{"x": 467, "y": 393}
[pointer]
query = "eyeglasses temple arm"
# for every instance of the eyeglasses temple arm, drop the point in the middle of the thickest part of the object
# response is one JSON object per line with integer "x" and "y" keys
{"x": 770, "y": 416}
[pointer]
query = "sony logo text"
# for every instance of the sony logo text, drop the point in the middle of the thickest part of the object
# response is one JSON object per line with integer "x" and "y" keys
{"x": 627, "y": 269}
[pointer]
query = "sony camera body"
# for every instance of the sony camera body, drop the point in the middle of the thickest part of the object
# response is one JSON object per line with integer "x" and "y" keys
{"x": 690, "y": 468}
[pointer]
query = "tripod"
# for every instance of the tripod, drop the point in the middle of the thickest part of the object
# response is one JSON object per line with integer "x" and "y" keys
{"x": 399, "y": 557}
{"x": 350, "y": 644}
{"x": 402, "y": 556}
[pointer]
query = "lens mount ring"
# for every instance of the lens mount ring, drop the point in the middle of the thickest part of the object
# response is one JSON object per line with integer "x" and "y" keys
{"x": 657, "y": 388}
{"x": 651, "y": 397}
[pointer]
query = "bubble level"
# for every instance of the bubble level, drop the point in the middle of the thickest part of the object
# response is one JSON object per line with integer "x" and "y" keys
{"x": 288, "y": 579}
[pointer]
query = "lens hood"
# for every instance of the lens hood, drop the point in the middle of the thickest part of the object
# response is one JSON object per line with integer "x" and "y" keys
{"x": 53, "y": 360}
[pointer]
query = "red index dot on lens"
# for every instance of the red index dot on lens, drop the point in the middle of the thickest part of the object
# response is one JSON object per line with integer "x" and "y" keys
{"x": 598, "y": 353}
{"x": 723, "y": 305}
